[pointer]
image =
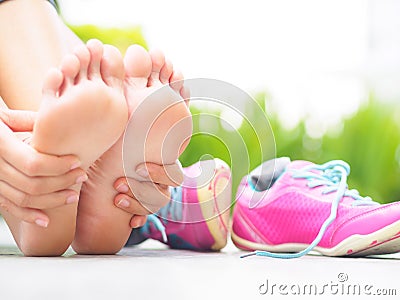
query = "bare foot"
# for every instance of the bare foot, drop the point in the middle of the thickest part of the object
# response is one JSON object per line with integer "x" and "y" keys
{"x": 103, "y": 228}
{"x": 161, "y": 125}
{"x": 90, "y": 112}
{"x": 83, "y": 112}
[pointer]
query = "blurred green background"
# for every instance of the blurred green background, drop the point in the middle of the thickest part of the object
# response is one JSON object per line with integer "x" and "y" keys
{"x": 368, "y": 140}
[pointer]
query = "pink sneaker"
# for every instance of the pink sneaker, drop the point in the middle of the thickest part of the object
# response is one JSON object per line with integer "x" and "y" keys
{"x": 308, "y": 207}
{"x": 197, "y": 216}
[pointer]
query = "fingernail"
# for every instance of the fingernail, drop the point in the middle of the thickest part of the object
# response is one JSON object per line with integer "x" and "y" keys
{"x": 76, "y": 165}
{"x": 123, "y": 188}
{"x": 72, "y": 199}
{"x": 42, "y": 223}
{"x": 82, "y": 178}
{"x": 135, "y": 224}
{"x": 142, "y": 172}
{"x": 123, "y": 203}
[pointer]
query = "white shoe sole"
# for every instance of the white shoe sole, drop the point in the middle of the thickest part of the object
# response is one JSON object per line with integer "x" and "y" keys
{"x": 383, "y": 241}
{"x": 217, "y": 215}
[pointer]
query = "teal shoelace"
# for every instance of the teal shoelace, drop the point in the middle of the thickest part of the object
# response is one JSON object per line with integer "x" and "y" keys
{"x": 172, "y": 211}
{"x": 334, "y": 176}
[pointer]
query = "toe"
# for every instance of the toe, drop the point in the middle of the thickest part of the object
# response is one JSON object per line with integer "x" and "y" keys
{"x": 52, "y": 82}
{"x": 83, "y": 55}
{"x": 70, "y": 68}
{"x": 157, "y": 63}
{"x": 166, "y": 72}
{"x": 176, "y": 81}
{"x": 185, "y": 94}
{"x": 112, "y": 67}
{"x": 96, "y": 53}
{"x": 137, "y": 62}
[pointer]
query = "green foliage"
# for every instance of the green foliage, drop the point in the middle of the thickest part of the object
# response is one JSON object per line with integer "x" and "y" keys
{"x": 369, "y": 140}
{"x": 243, "y": 148}
{"x": 119, "y": 37}
{"x": 370, "y": 143}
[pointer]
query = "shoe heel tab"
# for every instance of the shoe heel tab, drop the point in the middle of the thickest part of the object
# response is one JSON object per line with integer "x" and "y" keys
{"x": 265, "y": 175}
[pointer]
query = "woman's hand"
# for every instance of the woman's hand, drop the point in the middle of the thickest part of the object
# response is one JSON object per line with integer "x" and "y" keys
{"x": 29, "y": 180}
{"x": 138, "y": 197}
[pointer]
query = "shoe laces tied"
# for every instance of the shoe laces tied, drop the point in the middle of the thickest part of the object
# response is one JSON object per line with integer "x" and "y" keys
{"x": 332, "y": 175}
{"x": 171, "y": 211}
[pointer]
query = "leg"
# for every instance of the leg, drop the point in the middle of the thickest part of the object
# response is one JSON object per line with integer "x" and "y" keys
{"x": 103, "y": 228}
{"x": 25, "y": 58}
{"x": 42, "y": 40}
{"x": 47, "y": 39}
{"x": 82, "y": 113}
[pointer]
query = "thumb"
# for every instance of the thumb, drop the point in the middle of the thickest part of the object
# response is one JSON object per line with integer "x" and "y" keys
{"x": 171, "y": 175}
{"x": 18, "y": 120}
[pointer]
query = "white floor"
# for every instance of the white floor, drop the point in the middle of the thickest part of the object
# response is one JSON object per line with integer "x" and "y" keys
{"x": 152, "y": 271}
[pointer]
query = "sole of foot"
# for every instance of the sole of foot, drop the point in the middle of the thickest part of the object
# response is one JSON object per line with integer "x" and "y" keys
{"x": 83, "y": 112}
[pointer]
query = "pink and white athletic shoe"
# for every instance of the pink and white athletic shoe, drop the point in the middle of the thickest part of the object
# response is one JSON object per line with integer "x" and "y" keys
{"x": 287, "y": 209}
{"x": 197, "y": 216}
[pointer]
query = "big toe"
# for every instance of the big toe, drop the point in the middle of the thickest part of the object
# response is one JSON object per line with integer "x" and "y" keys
{"x": 137, "y": 62}
{"x": 112, "y": 66}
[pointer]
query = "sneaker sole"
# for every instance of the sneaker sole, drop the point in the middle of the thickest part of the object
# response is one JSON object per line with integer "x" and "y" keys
{"x": 220, "y": 190}
{"x": 383, "y": 241}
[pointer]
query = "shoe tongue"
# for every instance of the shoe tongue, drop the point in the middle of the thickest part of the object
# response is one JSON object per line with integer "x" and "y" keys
{"x": 265, "y": 175}
{"x": 299, "y": 164}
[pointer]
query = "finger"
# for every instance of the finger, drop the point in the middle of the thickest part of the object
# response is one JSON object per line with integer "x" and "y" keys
{"x": 138, "y": 221}
{"x": 39, "y": 185}
{"x": 46, "y": 201}
{"x": 29, "y": 215}
{"x": 18, "y": 120}
{"x": 171, "y": 175}
{"x": 123, "y": 186}
{"x": 30, "y": 162}
{"x": 144, "y": 198}
{"x": 130, "y": 205}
